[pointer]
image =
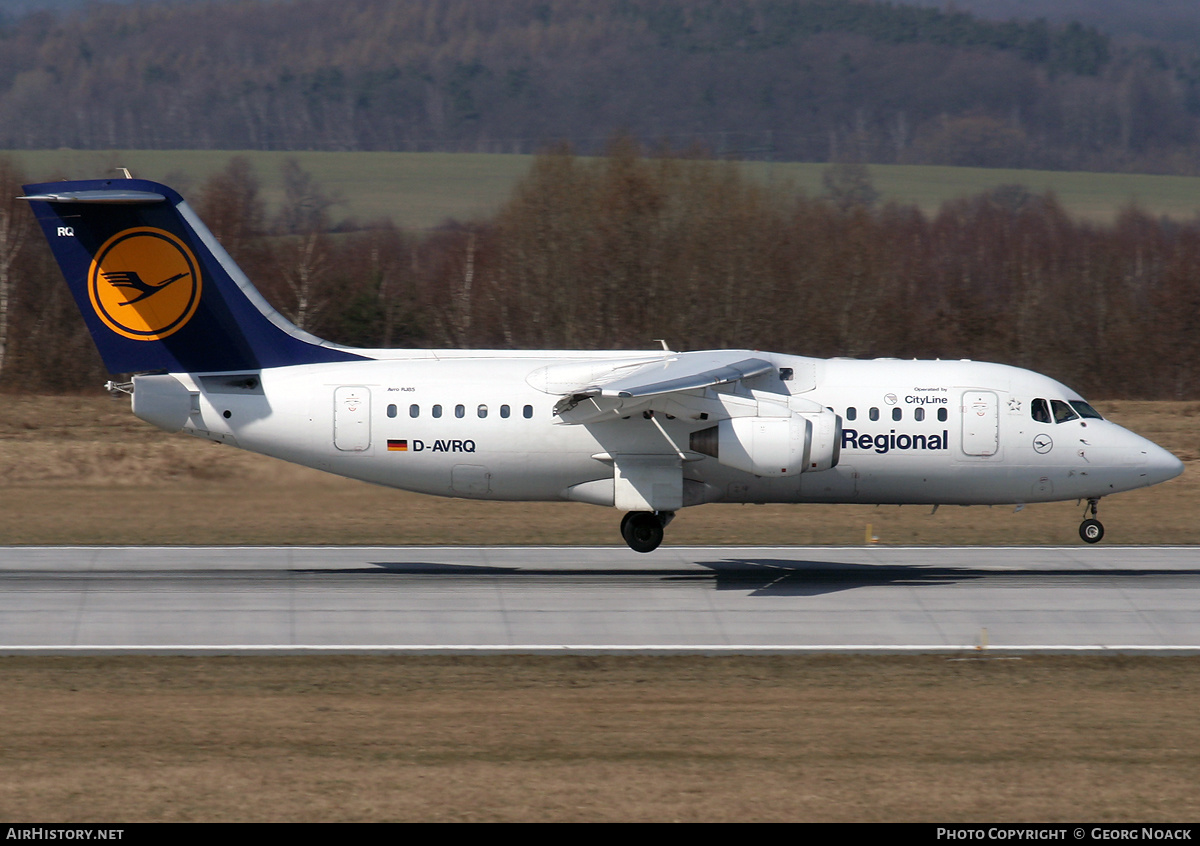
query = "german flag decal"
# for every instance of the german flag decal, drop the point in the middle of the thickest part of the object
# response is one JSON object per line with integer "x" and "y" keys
{"x": 397, "y": 445}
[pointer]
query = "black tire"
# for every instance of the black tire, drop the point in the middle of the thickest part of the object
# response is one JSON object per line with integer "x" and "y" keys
{"x": 642, "y": 530}
{"x": 1092, "y": 531}
{"x": 625, "y": 525}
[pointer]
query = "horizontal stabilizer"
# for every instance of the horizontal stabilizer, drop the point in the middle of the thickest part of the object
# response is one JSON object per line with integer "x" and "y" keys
{"x": 106, "y": 197}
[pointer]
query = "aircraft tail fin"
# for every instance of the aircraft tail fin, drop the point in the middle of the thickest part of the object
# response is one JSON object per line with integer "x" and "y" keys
{"x": 156, "y": 289}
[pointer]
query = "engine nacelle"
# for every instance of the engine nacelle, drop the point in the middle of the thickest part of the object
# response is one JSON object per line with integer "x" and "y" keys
{"x": 826, "y": 446}
{"x": 774, "y": 446}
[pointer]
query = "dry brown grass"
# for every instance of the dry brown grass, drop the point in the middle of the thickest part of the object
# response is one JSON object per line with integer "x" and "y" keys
{"x": 600, "y": 738}
{"x": 84, "y": 470}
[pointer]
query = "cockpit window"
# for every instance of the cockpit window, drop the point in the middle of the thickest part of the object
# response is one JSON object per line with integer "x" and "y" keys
{"x": 1062, "y": 411}
{"x": 1085, "y": 410}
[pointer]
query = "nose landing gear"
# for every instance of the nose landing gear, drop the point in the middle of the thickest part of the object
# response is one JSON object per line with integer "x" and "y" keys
{"x": 1091, "y": 529}
{"x": 643, "y": 530}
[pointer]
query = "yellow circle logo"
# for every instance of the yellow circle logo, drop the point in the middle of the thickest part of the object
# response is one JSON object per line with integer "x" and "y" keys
{"x": 144, "y": 284}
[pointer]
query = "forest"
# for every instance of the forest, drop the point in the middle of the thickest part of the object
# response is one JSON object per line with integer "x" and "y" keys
{"x": 802, "y": 80}
{"x": 643, "y": 244}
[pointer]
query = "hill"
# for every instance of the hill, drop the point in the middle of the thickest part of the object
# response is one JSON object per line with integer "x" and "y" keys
{"x": 816, "y": 80}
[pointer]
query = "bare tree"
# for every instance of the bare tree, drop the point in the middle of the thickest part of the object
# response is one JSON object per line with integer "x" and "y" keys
{"x": 230, "y": 205}
{"x": 848, "y": 185}
{"x": 301, "y": 249}
{"x": 15, "y": 223}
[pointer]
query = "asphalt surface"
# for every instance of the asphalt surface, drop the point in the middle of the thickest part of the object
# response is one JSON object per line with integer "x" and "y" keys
{"x": 265, "y": 599}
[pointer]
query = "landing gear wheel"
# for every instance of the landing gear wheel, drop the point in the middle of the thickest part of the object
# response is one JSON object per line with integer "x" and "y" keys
{"x": 642, "y": 530}
{"x": 1091, "y": 531}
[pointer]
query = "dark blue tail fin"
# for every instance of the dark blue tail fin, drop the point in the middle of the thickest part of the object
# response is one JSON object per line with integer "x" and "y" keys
{"x": 156, "y": 289}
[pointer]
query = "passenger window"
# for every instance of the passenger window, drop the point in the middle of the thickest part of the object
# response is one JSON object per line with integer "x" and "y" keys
{"x": 1062, "y": 411}
{"x": 897, "y": 413}
{"x": 1039, "y": 411}
{"x": 414, "y": 410}
{"x": 873, "y": 413}
{"x": 437, "y": 411}
{"x": 482, "y": 410}
{"x": 391, "y": 411}
{"x": 528, "y": 411}
{"x": 851, "y": 413}
{"x": 504, "y": 411}
{"x": 943, "y": 415}
{"x": 460, "y": 411}
{"x": 918, "y": 414}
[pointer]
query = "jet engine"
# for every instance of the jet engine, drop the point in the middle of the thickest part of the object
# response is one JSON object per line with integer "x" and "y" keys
{"x": 774, "y": 446}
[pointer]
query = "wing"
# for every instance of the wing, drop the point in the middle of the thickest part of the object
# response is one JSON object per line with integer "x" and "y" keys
{"x": 681, "y": 374}
{"x": 596, "y": 390}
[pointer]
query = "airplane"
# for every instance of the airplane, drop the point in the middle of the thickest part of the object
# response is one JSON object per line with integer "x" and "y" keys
{"x": 647, "y": 432}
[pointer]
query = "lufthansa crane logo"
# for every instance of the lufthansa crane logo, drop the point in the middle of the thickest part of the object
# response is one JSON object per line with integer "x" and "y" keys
{"x": 144, "y": 284}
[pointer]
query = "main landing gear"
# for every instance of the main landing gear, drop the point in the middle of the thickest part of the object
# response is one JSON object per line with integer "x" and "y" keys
{"x": 1091, "y": 529}
{"x": 643, "y": 530}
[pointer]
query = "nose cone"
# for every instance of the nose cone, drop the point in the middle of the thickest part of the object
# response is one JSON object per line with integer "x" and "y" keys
{"x": 1160, "y": 465}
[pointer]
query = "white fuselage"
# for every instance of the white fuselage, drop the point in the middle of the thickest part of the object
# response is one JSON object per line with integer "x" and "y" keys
{"x": 475, "y": 425}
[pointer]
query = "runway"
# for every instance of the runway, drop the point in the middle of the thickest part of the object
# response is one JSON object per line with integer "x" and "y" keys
{"x": 603, "y": 599}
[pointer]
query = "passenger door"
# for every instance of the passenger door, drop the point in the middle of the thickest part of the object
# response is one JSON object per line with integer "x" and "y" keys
{"x": 352, "y": 418}
{"x": 980, "y": 423}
